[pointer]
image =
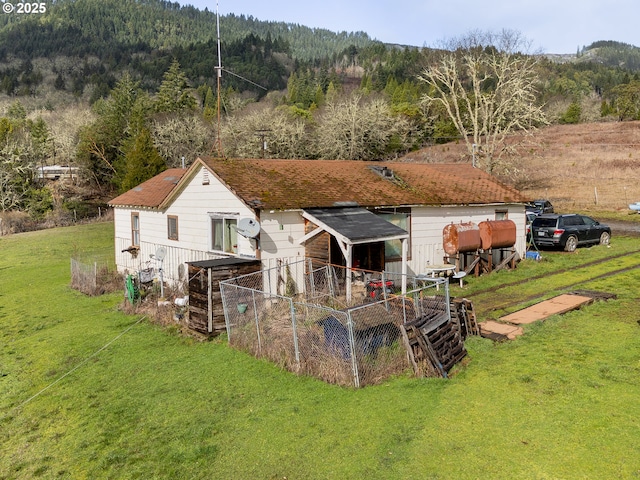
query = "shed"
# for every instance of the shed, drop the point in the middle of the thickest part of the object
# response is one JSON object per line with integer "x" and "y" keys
{"x": 206, "y": 314}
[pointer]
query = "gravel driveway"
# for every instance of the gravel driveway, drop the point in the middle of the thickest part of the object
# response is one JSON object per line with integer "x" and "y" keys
{"x": 618, "y": 227}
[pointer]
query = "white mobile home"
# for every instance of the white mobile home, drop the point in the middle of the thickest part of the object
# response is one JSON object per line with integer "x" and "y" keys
{"x": 372, "y": 215}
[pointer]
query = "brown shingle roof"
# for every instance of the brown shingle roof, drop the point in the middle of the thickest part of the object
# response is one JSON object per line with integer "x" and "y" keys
{"x": 291, "y": 184}
{"x": 153, "y": 192}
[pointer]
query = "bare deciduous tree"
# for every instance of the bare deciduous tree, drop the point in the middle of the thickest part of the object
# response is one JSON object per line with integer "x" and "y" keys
{"x": 64, "y": 124}
{"x": 357, "y": 128}
{"x": 488, "y": 93}
{"x": 269, "y": 132}
{"x": 16, "y": 172}
{"x": 185, "y": 135}
{"x": 287, "y": 136}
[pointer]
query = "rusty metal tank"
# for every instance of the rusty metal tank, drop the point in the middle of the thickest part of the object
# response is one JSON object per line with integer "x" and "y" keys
{"x": 497, "y": 234}
{"x": 461, "y": 237}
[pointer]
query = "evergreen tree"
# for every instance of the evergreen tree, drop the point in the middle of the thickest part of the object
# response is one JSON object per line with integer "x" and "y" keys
{"x": 6, "y": 128}
{"x": 120, "y": 117}
{"x": 141, "y": 161}
{"x": 59, "y": 83}
{"x": 174, "y": 94}
{"x": 40, "y": 138}
{"x": 572, "y": 114}
{"x": 210, "y": 104}
{"x": 17, "y": 111}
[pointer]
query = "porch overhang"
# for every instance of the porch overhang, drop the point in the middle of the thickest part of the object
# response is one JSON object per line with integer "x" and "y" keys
{"x": 352, "y": 225}
{"x": 355, "y": 226}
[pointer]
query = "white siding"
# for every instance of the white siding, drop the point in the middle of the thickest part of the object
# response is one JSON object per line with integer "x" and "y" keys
{"x": 192, "y": 207}
{"x": 280, "y": 231}
{"x": 427, "y": 224}
{"x": 279, "y": 235}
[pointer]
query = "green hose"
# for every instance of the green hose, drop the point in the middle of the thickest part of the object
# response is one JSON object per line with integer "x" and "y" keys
{"x": 132, "y": 290}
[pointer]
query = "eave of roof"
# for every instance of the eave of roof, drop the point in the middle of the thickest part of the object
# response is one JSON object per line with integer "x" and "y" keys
{"x": 153, "y": 192}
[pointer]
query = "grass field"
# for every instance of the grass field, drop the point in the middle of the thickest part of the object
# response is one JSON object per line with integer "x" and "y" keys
{"x": 87, "y": 391}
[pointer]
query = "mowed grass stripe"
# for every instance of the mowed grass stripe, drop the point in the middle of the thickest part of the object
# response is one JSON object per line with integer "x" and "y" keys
{"x": 157, "y": 405}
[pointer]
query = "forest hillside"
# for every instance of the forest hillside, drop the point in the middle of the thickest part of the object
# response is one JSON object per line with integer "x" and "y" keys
{"x": 121, "y": 90}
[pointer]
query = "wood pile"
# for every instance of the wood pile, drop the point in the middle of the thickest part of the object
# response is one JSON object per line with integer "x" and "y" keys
{"x": 434, "y": 343}
{"x": 206, "y": 313}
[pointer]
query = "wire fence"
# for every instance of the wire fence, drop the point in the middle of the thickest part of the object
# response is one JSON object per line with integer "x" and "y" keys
{"x": 342, "y": 326}
{"x": 92, "y": 278}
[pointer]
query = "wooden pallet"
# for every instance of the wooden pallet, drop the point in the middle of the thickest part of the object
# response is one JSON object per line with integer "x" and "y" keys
{"x": 463, "y": 313}
{"x": 434, "y": 345}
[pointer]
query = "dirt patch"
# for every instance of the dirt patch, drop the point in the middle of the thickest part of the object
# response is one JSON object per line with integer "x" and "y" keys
{"x": 594, "y": 166}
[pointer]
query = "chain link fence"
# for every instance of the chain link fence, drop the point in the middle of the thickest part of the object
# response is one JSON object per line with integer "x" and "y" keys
{"x": 307, "y": 319}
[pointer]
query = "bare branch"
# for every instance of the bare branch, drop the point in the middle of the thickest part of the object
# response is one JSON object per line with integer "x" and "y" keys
{"x": 488, "y": 94}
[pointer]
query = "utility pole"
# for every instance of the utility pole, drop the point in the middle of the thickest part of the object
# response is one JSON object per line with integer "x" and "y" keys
{"x": 262, "y": 134}
{"x": 219, "y": 78}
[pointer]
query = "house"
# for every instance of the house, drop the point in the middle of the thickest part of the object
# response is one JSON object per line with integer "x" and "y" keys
{"x": 57, "y": 172}
{"x": 378, "y": 216}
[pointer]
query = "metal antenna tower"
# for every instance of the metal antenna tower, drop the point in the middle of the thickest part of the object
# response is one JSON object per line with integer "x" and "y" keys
{"x": 219, "y": 78}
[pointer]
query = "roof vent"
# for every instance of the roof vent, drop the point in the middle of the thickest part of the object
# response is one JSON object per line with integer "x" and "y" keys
{"x": 384, "y": 172}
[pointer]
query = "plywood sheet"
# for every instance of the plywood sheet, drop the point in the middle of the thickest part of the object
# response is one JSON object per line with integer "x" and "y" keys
{"x": 553, "y": 306}
{"x": 509, "y": 331}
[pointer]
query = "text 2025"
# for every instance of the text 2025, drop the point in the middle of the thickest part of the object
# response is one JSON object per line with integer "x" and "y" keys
{"x": 34, "y": 7}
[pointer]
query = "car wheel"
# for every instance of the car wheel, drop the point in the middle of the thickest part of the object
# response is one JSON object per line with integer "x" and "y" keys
{"x": 605, "y": 238}
{"x": 571, "y": 244}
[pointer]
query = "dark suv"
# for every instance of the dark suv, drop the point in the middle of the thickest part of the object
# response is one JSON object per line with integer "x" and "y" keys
{"x": 540, "y": 206}
{"x": 568, "y": 231}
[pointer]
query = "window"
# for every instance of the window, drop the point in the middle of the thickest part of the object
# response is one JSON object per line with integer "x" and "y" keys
{"x": 572, "y": 221}
{"x": 224, "y": 234}
{"x": 393, "y": 248}
{"x": 135, "y": 229}
{"x": 502, "y": 214}
{"x": 172, "y": 227}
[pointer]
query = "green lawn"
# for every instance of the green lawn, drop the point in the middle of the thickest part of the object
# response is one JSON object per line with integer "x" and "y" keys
{"x": 560, "y": 402}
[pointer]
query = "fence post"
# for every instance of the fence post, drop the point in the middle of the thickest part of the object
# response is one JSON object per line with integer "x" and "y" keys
{"x": 404, "y": 308}
{"x": 255, "y": 316}
{"x": 312, "y": 278}
{"x": 385, "y": 297}
{"x": 209, "y": 302}
{"x": 223, "y": 288}
{"x": 295, "y": 330}
{"x": 352, "y": 347}
{"x": 330, "y": 280}
{"x": 446, "y": 298}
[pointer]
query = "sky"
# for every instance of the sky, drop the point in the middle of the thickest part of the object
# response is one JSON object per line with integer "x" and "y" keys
{"x": 552, "y": 26}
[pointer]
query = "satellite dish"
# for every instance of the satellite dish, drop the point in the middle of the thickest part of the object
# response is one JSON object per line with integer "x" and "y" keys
{"x": 161, "y": 252}
{"x": 248, "y": 227}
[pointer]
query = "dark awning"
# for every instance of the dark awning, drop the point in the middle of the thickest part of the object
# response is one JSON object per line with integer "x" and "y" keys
{"x": 354, "y": 225}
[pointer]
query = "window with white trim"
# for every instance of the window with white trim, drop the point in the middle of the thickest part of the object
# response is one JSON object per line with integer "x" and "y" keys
{"x": 224, "y": 234}
{"x": 135, "y": 229}
{"x": 172, "y": 227}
